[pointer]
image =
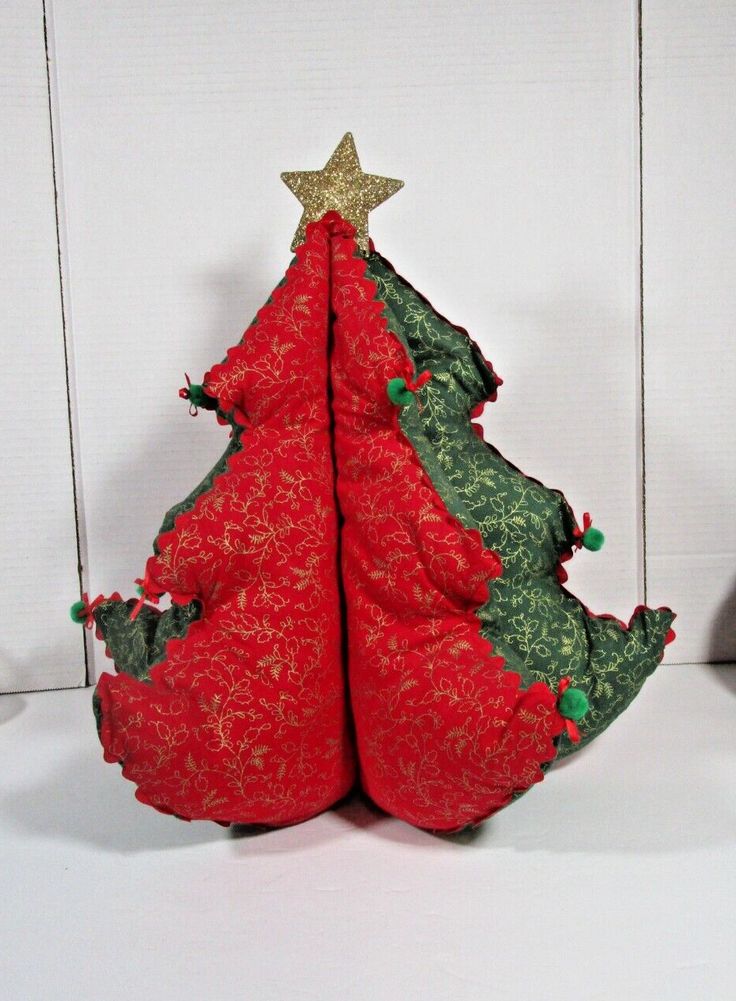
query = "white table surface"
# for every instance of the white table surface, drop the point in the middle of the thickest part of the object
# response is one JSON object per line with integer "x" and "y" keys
{"x": 616, "y": 878}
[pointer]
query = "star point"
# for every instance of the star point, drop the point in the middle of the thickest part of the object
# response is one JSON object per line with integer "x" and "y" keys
{"x": 341, "y": 186}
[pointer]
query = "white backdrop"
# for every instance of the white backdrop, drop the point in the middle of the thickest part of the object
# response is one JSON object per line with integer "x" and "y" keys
{"x": 517, "y": 130}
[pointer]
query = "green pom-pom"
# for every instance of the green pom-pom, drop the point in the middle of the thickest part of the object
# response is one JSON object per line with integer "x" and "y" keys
{"x": 139, "y": 590}
{"x": 398, "y": 393}
{"x": 573, "y": 704}
{"x": 77, "y": 612}
{"x": 197, "y": 395}
{"x": 593, "y": 539}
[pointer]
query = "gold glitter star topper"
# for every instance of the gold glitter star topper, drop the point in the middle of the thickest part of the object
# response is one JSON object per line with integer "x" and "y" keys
{"x": 340, "y": 186}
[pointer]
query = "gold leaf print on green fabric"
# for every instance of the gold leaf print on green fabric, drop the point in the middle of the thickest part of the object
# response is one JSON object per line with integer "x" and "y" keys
{"x": 541, "y": 629}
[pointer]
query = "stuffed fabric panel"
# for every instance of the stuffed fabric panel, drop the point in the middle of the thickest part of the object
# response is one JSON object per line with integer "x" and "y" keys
{"x": 445, "y": 734}
{"x": 231, "y": 705}
{"x": 541, "y": 629}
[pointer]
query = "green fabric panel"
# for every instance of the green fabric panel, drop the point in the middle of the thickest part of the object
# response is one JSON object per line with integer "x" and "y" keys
{"x": 234, "y": 445}
{"x": 543, "y": 632}
{"x": 136, "y": 646}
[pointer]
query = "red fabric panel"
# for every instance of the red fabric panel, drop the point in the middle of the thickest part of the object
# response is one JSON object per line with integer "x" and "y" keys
{"x": 445, "y": 735}
{"x": 246, "y": 719}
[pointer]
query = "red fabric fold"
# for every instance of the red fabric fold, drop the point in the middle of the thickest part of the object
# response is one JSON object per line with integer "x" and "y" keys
{"x": 445, "y": 734}
{"x": 246, "y": 718}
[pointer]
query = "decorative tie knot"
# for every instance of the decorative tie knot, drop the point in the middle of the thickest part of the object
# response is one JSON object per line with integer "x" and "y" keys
{"x": 198, "y": 397}
{"x": 82, "y": 612}
{"x": 401, "y": 391}
{"x": 591, "y": 538}
{"x": 147, "y": 592}
{"x": 572, "y": 705}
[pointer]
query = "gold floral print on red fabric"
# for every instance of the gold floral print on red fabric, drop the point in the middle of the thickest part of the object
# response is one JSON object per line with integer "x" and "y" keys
{"x": 445, "y": 735}
{"x": 246, "y": 719}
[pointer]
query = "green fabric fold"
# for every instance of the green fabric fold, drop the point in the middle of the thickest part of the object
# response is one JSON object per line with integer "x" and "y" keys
{"x": 543, "y": 632}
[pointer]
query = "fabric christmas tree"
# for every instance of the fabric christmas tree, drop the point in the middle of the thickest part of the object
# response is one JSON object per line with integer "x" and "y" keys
{"x": 358, "y": 552}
